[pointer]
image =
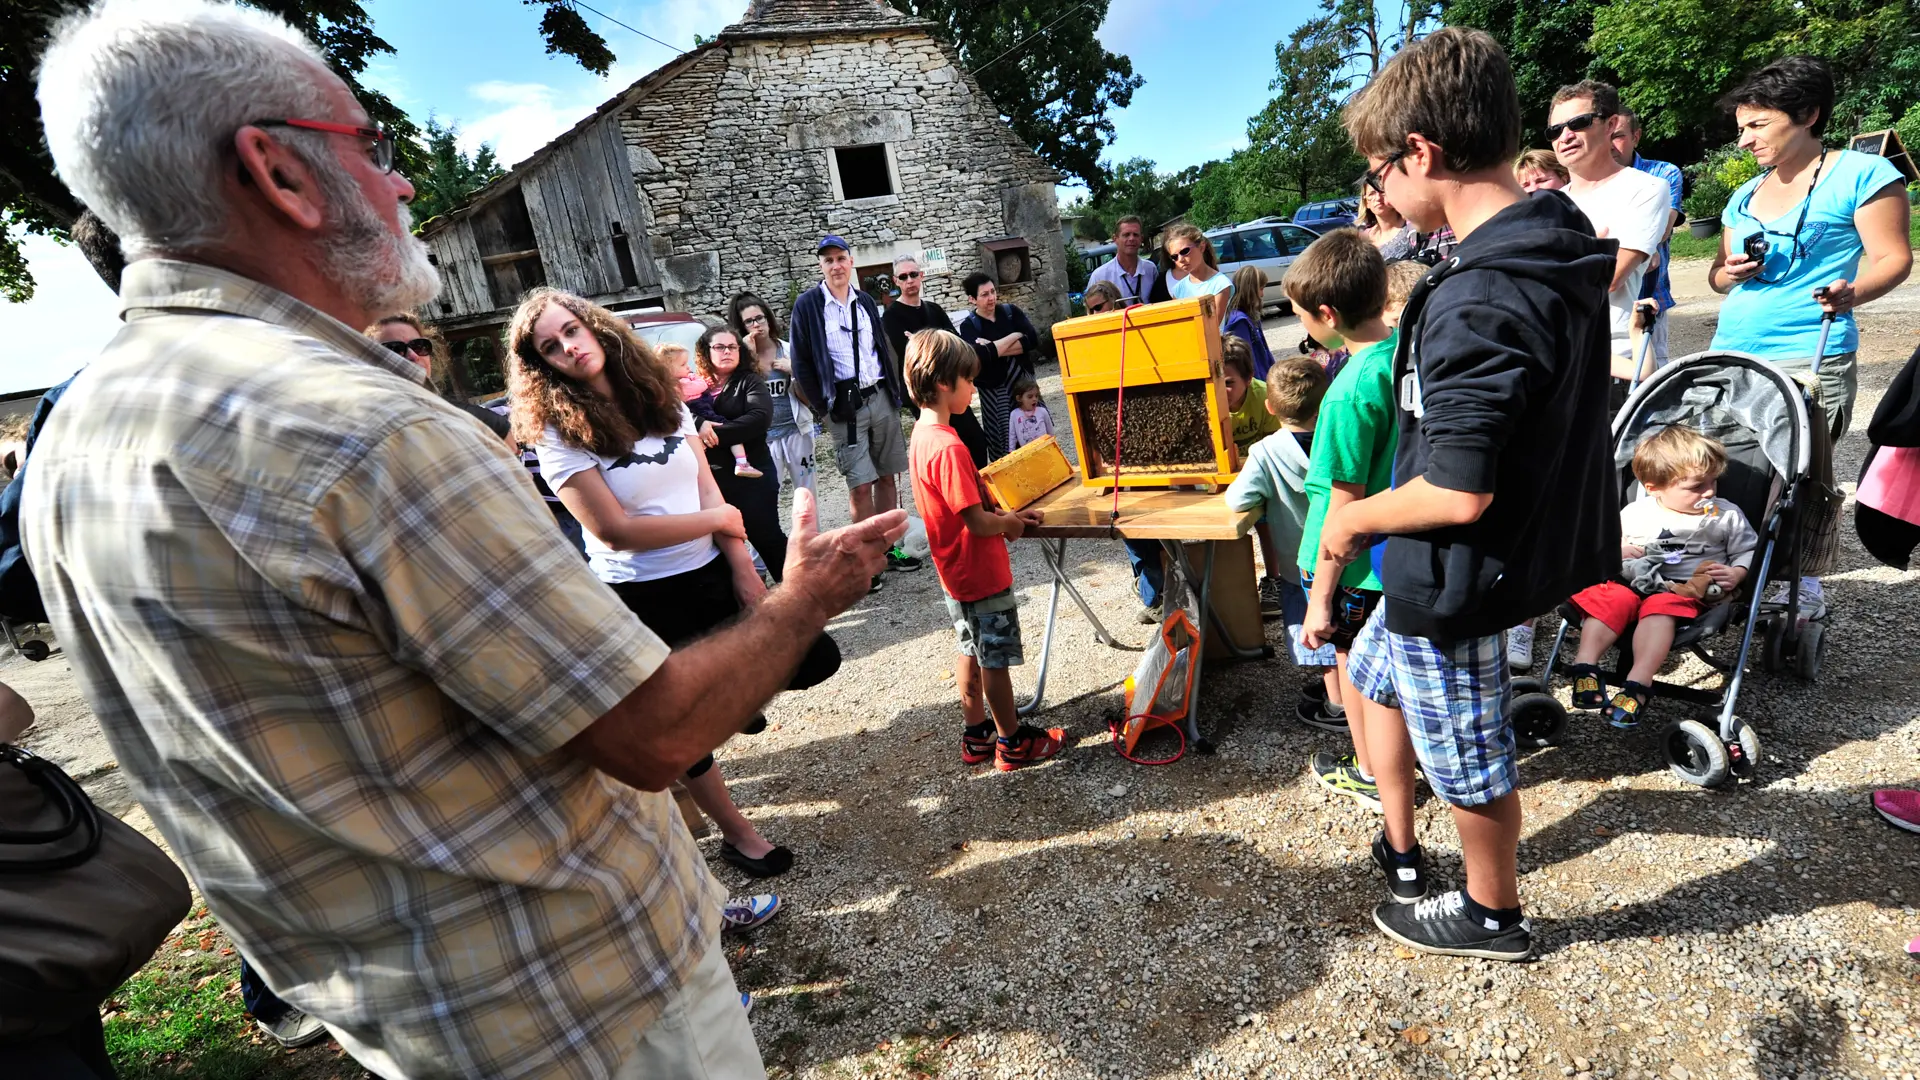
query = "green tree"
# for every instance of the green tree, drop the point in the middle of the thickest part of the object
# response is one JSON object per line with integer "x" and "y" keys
{"x": 1673, "y": 58}
{"x": 447, "y": 175}
{"x": 1545, "y": 40}
{"x": 1043, "y": 66}
{"x": 32, "y": 198}
{"x": 1136, "y": 187}
{"x": 1297, "y": 143}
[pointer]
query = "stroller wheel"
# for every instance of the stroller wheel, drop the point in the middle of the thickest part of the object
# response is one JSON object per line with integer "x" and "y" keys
{"x": 1812, "y": 651}
{"x": 1523, "y": 687}
{"x": 1743, "y": 752}
{"x": 1696, "y": 754}
{"x": 1538, "y": 719}
{"x": 35, "y": 649}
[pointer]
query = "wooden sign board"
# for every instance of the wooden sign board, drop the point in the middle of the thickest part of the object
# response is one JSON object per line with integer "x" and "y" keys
{"x": 1887, "y": 144}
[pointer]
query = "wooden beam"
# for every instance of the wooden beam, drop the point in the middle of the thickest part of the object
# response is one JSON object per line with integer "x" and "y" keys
{"x": 509, "y": 256}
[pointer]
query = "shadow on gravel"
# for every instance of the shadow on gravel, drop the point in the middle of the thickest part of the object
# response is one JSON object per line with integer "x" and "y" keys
{"x": 1866, "y": 862}
{"x": 1154, "y": 940}
{"x": 1864, "y": 690}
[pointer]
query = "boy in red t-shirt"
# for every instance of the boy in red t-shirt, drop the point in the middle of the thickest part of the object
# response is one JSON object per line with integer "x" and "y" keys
{"x": 965, "y": 533}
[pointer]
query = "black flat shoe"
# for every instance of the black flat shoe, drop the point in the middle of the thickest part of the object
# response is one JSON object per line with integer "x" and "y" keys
{"x": 756, "y": 725}
{"x": 772, "y": 864}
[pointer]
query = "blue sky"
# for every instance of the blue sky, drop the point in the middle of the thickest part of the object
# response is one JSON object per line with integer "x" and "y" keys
{"x": 481, "y": 64}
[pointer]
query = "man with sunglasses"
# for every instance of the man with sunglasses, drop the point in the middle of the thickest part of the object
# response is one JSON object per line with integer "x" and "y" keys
{"x": 912, "y": 312}
{"x": 1623, "y": 204}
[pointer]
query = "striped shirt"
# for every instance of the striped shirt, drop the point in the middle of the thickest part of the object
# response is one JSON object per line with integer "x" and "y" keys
{"x": 337, "y": 644}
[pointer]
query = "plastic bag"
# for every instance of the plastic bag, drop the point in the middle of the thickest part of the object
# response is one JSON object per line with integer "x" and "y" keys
{"x": 915, "y": 542}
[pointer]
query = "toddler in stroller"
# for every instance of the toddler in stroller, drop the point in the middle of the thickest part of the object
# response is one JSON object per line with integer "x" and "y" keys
{"x": 1778, "y": 474}
{"x": 1682, "y": 550}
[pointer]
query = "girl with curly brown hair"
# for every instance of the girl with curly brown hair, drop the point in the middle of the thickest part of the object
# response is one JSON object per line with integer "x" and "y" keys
{"x": 622, "y": 452}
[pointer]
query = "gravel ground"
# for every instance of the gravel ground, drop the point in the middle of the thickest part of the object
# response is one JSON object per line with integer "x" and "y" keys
{"x": 1093, "y": 918}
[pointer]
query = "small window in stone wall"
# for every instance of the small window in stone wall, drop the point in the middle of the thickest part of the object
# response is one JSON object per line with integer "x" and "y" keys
{"x": 864, "y": 171}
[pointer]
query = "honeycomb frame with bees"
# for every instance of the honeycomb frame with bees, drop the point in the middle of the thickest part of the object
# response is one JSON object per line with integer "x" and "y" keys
{"x": 1175, "y": 428}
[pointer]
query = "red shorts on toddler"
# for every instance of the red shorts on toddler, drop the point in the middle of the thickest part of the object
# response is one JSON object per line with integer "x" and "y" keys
{"x": 1620, "y": 607}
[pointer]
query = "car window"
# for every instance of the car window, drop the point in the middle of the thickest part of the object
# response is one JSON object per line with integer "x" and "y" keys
{"x": 676, "y": 333}
{"x": 1296, "y": 238}
{"x": 1258, "y": 244}
{"x": 1224, "y": 249}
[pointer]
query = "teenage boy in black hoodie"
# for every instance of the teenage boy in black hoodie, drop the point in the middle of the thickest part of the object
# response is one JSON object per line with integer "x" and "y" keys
{"x": 1503, "y": 503}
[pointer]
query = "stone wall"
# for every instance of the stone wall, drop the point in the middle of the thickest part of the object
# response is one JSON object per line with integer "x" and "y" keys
{"x": 733, "y": 158}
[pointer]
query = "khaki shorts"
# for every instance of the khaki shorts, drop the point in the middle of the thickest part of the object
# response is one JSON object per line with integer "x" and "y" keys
{"x": 1839, "y": 384}
{"x": 879, "y": 448}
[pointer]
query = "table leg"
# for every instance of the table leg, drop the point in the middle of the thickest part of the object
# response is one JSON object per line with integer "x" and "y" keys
{"x": 1054, "y": 554}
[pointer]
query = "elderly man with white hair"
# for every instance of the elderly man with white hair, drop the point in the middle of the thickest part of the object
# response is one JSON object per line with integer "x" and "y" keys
{"x": 410, "y": 749}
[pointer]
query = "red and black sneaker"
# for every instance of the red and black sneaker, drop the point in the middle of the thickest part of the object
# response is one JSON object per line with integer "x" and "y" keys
{"x": 1029, "y": 746}
{"x": 976, "y": 747}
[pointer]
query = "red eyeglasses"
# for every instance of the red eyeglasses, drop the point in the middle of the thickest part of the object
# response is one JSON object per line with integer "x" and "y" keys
{"x": 382, "y": 141}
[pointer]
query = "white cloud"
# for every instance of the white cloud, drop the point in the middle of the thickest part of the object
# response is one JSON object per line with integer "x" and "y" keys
{"x": 535, "y": 113}
{"x": 70, "y": 319}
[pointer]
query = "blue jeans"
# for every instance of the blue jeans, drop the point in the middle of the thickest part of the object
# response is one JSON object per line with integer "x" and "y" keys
{"x": 263, "y": 1003}
{"x": 1149, "y": 569}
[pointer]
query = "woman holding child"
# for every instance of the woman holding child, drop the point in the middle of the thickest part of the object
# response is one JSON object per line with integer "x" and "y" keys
{"x": 621, "y": 450}
{"x": 746, "y": 411}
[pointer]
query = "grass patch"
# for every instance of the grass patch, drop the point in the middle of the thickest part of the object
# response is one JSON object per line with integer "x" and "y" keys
{"x": 181, "y": 1015}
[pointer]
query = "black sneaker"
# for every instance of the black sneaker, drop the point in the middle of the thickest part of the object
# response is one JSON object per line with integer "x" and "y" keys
{"x": 1270, "y": 593}
{"x": 901, "y": 562}
{"x": 1406, "y": 883}
{"x": 1322, "y": 715}
{"x": 1440, "y": 924}
{"x": 876, "y": 584}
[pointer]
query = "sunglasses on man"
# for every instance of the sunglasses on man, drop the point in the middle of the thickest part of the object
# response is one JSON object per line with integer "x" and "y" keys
{"x": 1574, "y": 123}
{"x": 401, "y": 348}
{"x": 911, "y": 275}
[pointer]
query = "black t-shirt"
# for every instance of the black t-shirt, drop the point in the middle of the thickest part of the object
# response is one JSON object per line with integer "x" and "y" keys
{"x": 904, "y": 320}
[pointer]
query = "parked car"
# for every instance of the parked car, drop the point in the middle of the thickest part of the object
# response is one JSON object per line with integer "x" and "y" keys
{"x": 1270, "y": 246}
{"x": 1331, "y": 214}
{"x": 657, "y": 328}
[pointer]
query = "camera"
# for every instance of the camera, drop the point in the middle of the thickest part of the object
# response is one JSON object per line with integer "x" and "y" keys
{"x": 1756, "y": 248}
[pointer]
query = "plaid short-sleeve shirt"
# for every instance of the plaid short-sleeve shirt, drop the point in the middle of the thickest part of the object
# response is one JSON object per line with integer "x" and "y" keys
{"x": 336, "y": 644}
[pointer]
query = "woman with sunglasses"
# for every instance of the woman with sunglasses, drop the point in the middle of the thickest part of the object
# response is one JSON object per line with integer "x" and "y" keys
{"x": 1383, "y": 225}
{"x": 621, "y": 450}
{"x": 1193, "y": 258}
{"x": 405, "y": 336}
{"x": 1818, "y": 231}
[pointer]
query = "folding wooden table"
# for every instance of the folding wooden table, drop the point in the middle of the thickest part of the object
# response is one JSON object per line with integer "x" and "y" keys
{"x": 1188, "y": 524}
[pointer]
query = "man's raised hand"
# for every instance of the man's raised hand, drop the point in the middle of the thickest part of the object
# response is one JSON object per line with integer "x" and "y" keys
{"x": 835, "y": 569}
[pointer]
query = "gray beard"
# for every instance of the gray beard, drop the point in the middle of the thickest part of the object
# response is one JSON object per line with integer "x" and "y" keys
{"x": 382, "y": 272}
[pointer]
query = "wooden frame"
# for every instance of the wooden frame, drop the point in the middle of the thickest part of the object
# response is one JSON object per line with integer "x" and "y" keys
{"x": 1887, "y": 144}
{"x": 1174, "y": 342}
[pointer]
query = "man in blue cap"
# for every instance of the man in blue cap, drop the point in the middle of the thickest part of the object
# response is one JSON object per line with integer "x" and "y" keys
{"x": 843, "y": 363}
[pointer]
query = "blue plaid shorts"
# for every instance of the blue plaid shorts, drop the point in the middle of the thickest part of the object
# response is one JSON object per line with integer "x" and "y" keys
{"x": 988, "y": 629}
{"x": 1455, "y": 701}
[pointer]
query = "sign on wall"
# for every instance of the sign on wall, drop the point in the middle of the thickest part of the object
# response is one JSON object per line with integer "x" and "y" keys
{"x": 934, "y": 261}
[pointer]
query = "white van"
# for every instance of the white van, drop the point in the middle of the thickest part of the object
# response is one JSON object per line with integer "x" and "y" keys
{"x": 1268, "y": 243}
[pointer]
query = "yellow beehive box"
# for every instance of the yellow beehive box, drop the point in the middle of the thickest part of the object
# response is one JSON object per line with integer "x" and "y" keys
{"x": 1016, "y": 480}
{"x": 1168, "y": 408}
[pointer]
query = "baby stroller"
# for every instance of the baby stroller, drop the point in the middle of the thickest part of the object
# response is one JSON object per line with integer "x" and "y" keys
{"x": 1779, "y": 474}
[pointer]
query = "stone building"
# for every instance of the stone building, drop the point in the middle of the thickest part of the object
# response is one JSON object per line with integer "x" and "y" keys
{"x": 805, "y": 117}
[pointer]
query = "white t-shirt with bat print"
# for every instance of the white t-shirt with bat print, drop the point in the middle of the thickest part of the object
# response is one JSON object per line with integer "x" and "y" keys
{"x": 660, "y": 475}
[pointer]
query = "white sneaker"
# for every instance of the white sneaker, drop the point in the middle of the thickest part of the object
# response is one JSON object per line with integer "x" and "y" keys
{"x": 1520, "y": 647}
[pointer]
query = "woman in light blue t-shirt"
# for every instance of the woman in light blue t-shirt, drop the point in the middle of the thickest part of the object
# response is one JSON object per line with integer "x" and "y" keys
{"x": 1835, "y": 227}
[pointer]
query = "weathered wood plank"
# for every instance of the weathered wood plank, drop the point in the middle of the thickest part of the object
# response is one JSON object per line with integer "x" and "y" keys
{"x": 460, "y": 270}
{"x": 589, "y": 217}
{"x": 633, "y": 215}
{"x": 546, "y": 206}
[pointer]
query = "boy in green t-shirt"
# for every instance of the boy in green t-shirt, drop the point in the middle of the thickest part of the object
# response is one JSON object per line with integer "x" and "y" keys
{"x": 1247, "y": 403}
{"x": 1339, "y": 287}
